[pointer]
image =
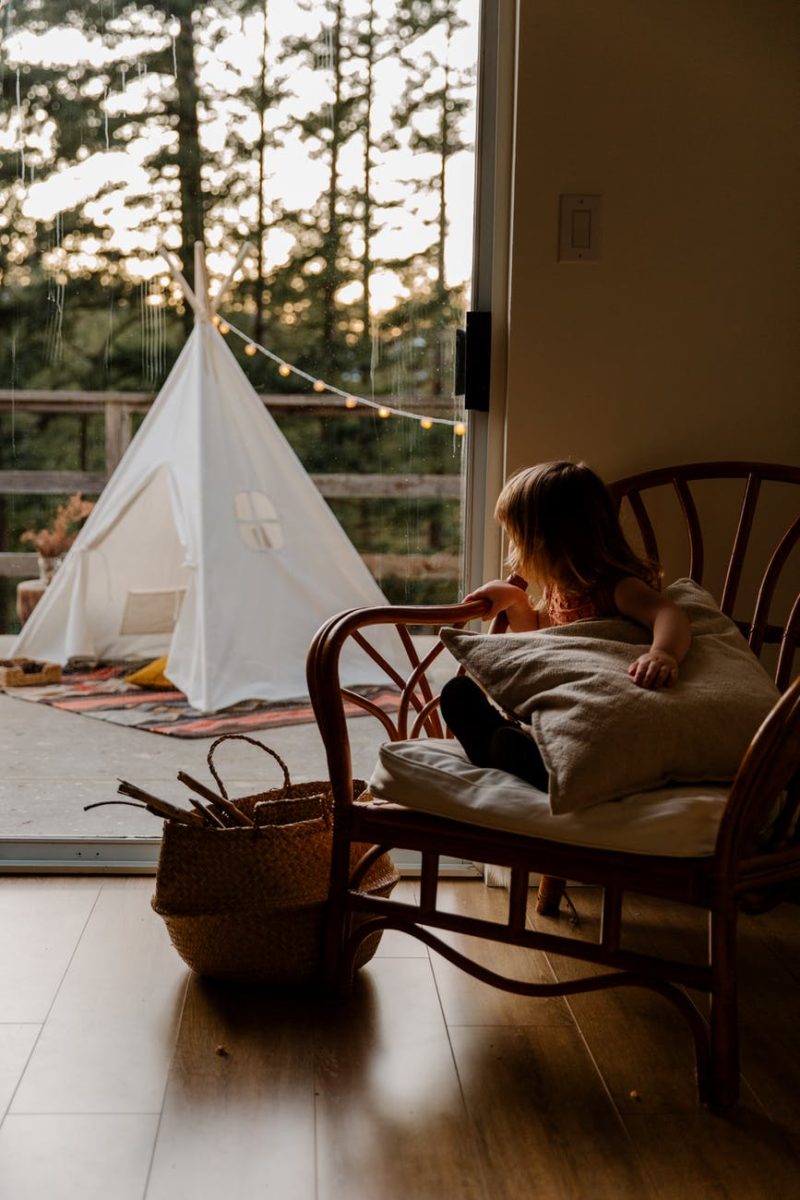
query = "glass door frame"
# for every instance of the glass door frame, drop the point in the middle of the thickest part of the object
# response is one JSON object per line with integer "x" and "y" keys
{"x": 494, "y": 162}
{"x": 485, "y": 442}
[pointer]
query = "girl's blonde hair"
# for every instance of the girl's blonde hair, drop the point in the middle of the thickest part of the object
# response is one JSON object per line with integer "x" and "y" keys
{"x": 564, "y": 529}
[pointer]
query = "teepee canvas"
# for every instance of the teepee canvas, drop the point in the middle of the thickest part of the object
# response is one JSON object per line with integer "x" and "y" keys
{"x": 209, "y": 544}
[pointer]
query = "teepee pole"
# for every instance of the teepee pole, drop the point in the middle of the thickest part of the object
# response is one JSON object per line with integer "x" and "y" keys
{"x": 178, "y": 276}
{"x": 240, "y": 257}
{"x": 201, "y": 278}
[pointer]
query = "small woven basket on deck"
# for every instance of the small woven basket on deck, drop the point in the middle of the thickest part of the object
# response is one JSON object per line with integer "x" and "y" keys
{"x": 248, "y": 904}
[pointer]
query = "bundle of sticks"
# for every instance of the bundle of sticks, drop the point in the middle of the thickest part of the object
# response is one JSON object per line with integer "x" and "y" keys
{"x": 209, "y": 810}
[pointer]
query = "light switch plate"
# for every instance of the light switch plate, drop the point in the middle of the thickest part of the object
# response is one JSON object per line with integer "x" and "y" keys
{"x": 579, "y": 228}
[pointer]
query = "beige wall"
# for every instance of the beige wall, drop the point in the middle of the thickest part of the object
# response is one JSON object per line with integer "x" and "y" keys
{"x": 682, "y": 342}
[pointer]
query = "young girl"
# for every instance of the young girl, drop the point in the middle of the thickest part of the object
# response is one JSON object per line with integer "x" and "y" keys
{"x": 566, "y": 538}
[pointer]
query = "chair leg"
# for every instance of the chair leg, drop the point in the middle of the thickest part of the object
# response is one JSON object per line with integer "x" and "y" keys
{"x": 337, "y": 978}
{"x": 548, "y": 897}
{"x": 724, "y": 1015}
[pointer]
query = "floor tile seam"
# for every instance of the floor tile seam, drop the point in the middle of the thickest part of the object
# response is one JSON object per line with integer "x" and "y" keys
{"x": 744, "y": 1079}
{"x": 756, "y": 1093}
{"x": 5, "y": 1111}
{"x": 784, "y": 957}
{"x": 508, "y": 1024}
{"x": 168, "y": 1073}
{"x": 56, "y": 994}
{"x": 472, "y": 1123}
{"x": 655, "y": 1192}
{"x": 315, "y": 1123}
{"x": 80, "y": 1112}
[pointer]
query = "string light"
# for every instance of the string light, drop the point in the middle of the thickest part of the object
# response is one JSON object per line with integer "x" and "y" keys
{"x": 216, "y": 320}
{"x": 320, "y": 385}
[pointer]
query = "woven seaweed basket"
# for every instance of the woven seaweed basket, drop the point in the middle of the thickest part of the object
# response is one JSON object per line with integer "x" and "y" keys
{"x": 248, "y": 905}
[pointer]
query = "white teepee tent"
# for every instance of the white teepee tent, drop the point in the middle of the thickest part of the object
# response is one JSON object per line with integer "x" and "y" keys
{"x": 209, "y": 543}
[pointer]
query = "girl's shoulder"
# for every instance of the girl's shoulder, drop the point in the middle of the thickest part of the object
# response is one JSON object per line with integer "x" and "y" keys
{"x": 643, "y": 584}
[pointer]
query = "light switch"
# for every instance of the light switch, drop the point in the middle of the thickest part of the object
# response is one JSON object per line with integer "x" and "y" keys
{"x": 579, "y": 228}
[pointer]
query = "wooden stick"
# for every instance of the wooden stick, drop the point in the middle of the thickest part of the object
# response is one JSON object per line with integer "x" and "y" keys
{"x": 210, "y": 816}
{"x": 162, "y": 807}
{"x": 214, "y": 809}
{"x": 141, "y": 807}
{"x": 232, "y": 811}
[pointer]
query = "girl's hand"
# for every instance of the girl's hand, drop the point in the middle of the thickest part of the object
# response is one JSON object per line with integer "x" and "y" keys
{"x": 655, "y": 669}
{"x": 507, "y": 598}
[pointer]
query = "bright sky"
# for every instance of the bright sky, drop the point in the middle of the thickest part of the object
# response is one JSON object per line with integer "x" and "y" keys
{"x": 105, "y": 178}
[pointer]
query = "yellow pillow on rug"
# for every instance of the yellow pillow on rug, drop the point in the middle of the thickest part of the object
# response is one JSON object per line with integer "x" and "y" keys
{"x": 151, "y": 676}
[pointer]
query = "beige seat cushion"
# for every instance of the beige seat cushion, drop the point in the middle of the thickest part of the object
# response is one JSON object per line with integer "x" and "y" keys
{"x": 601, "y": 736}
{"x": 433, "y": 775}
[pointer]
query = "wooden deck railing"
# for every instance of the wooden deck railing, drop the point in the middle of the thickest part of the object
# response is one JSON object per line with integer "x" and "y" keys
{"x": 118, "y": 409}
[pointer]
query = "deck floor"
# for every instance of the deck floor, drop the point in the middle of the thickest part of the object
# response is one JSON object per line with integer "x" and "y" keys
{"x": 55, "y": 762}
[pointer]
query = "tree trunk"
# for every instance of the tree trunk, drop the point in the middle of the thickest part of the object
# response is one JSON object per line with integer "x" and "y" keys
{"x": 366, "y": 260}
{"x": 259, "y": 287}
{"x": 444, "y": 128}
{"x": 330, "y": 277}
{"x": 189, "y": 153}
{"x": 444, "y": 132}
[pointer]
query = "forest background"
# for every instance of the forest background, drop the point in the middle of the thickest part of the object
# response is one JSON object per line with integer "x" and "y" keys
{"x": 334, "y": 135}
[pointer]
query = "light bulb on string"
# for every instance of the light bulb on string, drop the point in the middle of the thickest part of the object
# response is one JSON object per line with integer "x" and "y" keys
{"x": 286, "y": 369}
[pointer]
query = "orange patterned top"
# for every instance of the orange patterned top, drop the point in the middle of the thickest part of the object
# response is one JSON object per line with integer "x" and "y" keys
{"x": 565, "y": 607}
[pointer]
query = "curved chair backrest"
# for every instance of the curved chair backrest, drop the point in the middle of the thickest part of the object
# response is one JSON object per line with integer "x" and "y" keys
{"x": 754, "y": 860}
{"x": 757, "y": 628}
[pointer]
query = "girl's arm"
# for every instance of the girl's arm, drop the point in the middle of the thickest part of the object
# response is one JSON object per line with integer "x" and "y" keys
{"x": 658, "y": 666}
{"x": 511, "y": 600}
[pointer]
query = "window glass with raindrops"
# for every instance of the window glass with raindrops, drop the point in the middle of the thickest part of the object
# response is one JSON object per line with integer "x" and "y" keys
{"x": 322, "y": 149}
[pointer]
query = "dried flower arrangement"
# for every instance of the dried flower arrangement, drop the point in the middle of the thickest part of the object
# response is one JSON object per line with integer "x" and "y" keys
{"x": 56, "y": 538}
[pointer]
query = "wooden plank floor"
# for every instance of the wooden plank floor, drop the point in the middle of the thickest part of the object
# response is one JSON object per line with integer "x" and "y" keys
{"x": 123, "y": 1077}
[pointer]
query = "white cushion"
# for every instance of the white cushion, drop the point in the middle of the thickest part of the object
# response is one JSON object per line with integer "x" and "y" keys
{"x": 433, "y": 775}
{"x": 602, "y": 737}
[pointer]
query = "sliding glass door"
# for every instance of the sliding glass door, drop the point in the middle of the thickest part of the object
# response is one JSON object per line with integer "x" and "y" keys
{"x": 337, "y": 141}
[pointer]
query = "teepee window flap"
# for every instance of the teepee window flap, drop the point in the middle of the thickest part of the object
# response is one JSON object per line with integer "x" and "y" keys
{"x": 259, "y": 525}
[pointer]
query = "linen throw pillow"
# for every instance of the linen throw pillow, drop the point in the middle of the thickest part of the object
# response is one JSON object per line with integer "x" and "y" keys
{"x": 601, "y": 737}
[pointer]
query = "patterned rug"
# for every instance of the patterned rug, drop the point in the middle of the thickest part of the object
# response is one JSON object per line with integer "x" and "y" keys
{"x": 102, "y": 693}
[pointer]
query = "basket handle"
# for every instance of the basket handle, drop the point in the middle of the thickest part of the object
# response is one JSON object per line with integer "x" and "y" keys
{"x": 242, "y": 737}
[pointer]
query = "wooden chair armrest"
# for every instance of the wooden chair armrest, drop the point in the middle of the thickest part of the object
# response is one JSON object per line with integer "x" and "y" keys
{"x": 770, "y": 767}
{"x": 324, "y": 683}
